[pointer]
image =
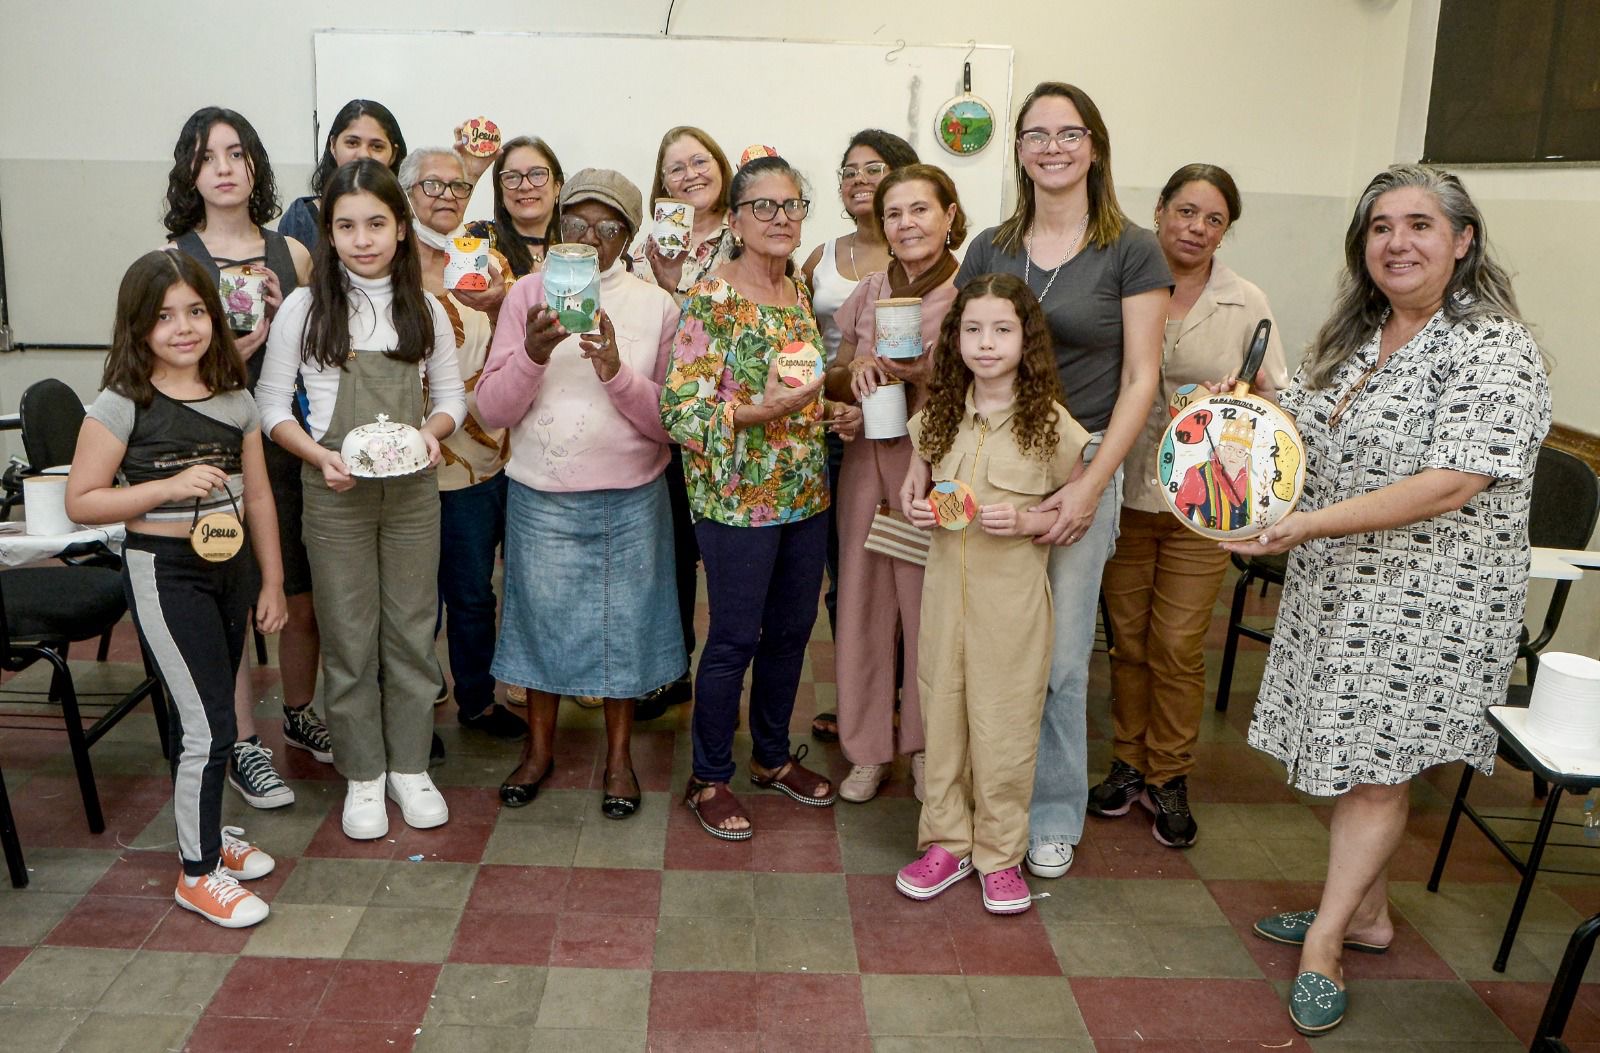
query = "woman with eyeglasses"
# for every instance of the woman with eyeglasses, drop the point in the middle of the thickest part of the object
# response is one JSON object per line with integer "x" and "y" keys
{"x": 472, "y": 487}
{"x": 690, "y": 167}
{"x": 586, "y": 610}
{"x": 1104, "y": 287}
{"x": 832, "y": 272}
{"x": 361, "y": 128}
{"x": 756, "y": 469}
{"x": 527, "y": 184}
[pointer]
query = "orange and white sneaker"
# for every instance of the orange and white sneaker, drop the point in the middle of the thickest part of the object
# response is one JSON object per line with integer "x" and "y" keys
{"x": 242, "y": 859}
{"x": 218, "y": 897}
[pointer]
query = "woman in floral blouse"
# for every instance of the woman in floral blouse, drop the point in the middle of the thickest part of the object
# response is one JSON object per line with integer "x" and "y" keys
{"x": 755, "y": 465}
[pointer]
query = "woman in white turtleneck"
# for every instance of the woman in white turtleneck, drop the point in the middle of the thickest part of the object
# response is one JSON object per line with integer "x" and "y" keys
{"x": 366, "y": 341}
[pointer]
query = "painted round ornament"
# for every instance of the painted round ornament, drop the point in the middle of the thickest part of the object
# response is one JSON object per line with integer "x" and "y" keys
{"x": 1231, "y": 465}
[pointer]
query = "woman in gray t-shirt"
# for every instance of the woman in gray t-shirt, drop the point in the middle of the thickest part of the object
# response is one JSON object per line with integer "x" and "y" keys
{"x": 1104, "y": 287}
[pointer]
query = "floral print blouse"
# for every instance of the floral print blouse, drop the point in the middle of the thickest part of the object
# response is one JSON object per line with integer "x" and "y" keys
{"x": 765, "y": 475}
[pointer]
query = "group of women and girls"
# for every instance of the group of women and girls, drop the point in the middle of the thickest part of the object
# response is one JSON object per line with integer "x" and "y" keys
{"x": 1052, "y": 349}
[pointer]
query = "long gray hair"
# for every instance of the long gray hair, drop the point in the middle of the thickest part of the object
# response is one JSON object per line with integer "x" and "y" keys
{"x": 1478, "y": 287}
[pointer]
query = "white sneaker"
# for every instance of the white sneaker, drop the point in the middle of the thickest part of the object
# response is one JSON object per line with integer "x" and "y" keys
{"x": 1050, "y": 859}
{"x": 862, "y": 784}
{"x": 420, "y": 801}
{"x": 365, "y": 817}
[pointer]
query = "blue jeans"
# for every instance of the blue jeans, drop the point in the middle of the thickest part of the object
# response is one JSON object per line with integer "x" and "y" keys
{"x": 1061, "y": 780}
{"x": 763, "y": 584}
{"x": 472, "y": 524}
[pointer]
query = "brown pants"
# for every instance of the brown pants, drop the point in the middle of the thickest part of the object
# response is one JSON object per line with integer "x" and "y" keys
{"x": 1161, "y": 589}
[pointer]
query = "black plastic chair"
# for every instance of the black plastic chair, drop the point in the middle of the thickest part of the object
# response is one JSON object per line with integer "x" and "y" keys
{"x": 51, "y": 415}
{"x": 42, "y": 611}
{"x": 1564, "y": 990}
{"x": 1268, "y": 571}
{"x": 1564, "y": 509}
{"x": 10, "y": 841}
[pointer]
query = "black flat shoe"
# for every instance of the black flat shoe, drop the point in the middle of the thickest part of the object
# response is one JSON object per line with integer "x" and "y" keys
{"x": 521, "y": 794}
{"x": 615, "y": 807}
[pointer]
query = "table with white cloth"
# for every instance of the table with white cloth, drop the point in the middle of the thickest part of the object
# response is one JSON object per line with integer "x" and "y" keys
{"x": 18, "y": 547}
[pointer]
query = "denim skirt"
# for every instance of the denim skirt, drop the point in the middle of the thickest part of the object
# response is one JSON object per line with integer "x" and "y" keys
{"x": 591, "y": 601}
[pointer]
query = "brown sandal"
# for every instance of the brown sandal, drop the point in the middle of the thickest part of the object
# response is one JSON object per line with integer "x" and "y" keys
{"x": 797, "y": 782}
{"x": 712, "y": 812}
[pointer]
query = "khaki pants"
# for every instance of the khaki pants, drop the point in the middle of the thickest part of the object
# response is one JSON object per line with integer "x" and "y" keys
{"x": 1161, "y": 589}
{"x": 374, "y": 553}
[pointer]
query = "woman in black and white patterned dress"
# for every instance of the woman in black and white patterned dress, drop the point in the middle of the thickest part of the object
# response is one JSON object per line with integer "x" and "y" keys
{"x": 1422, "y": 402}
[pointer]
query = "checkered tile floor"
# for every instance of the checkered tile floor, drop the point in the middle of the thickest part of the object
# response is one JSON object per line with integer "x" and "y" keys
{"x": 553, "y": 928}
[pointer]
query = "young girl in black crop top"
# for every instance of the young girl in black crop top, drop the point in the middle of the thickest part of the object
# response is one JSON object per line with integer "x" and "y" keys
{"x": 172, "y": 446}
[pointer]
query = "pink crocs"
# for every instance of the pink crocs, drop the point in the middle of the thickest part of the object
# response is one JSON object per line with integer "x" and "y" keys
{"x": 1004, "y": 892}
{"x": 936, "y": 871}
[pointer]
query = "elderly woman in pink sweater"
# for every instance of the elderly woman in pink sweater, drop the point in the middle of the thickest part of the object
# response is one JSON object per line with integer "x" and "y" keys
{"x": 587, "y": 610}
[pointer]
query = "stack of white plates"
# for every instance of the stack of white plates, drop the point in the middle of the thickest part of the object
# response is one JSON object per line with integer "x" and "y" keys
{"x": 1565, "y": 709}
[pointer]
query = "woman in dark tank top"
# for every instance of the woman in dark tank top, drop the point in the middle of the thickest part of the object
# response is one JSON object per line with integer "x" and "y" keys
{"x": 220, "y": 193}
{"x": 361, "y": 128}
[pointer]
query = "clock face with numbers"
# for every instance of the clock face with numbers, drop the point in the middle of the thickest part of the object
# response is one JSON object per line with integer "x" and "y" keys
{"x": 1230, "y": 466}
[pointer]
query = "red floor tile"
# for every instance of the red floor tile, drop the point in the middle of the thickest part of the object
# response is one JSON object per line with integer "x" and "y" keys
{"x": 822, "y": 667}
{"x": 1123, "y": 850}
{"x": 1182, "y": 1010}
{"x": 275, "y": 987}
{"x": 705, "y": 1001}
{"x": 454, "y": 842}
{"x": 49, "y": 809}
{"x": 10, "y": 958}
{"x": 330, "y": 841}
{"x": 148, "y": 874}
{"x": 521, "y": 890}
{"x": 773, "y": 812}
{"x": 701, "y": 1042}
{"x": 1016, "y": 945}
{"x": 795, "y": 852}
{"x": 227, "y": 1034}
{"x": 492, "y": 938}
{"x": 803, "y": 1006}
{"x": 391, "y": 992}
{"x": 601, "y": 890}
{"x": 1296, "y": 1044}
{"x": 353, "y": 1036}
{"x": 110, "y": 921}
{"x": 652, "y": 760}
{"x": 604, "y": 941}
{"x": 185, "y": 931}
{"x": 1236, "y": 773}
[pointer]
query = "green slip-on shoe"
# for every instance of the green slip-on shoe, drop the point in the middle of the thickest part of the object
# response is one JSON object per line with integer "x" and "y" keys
{"x": 1316, "y": 1005}
{"x": 1290, "y": 927}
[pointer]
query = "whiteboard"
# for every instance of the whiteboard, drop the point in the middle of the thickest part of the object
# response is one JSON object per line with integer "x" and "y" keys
{"x": 604, "y": 100}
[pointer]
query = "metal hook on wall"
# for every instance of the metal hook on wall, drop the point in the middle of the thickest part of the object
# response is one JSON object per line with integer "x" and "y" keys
{"x": 972, "y": 45}
{"x": 899, "y": 46}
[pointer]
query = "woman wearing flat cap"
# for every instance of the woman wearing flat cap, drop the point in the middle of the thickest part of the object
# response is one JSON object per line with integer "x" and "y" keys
{"x": 587, "y": 610}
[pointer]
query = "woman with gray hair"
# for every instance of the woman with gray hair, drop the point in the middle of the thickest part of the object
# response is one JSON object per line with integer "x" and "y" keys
{"x": 472, "y": 486}
{"x": 1421, "y": 402}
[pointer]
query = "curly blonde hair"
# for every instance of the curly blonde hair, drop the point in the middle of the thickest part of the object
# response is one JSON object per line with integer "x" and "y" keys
{"x": 1038, "y": 387}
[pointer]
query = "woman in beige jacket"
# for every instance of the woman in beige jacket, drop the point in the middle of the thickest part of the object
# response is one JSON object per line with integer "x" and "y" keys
{"x": 1162, "y": 583}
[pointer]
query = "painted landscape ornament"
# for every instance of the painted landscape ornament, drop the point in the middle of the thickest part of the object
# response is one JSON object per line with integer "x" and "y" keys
{"x": 1231, "y": 465}
{"x": 965, "y": 124}
{"x": 572, "y": 286}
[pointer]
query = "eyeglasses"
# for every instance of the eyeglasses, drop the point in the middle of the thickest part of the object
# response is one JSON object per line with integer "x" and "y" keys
{"x": 1067, "y": 138}
{"x": 573, "y": 229}
{"x": 511, "y": 178}
{"x": 675, "y": 173}
{"x": 872, "y": 170}
{"x": 765, "y": 209}
{"x": 458, "y": 188}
